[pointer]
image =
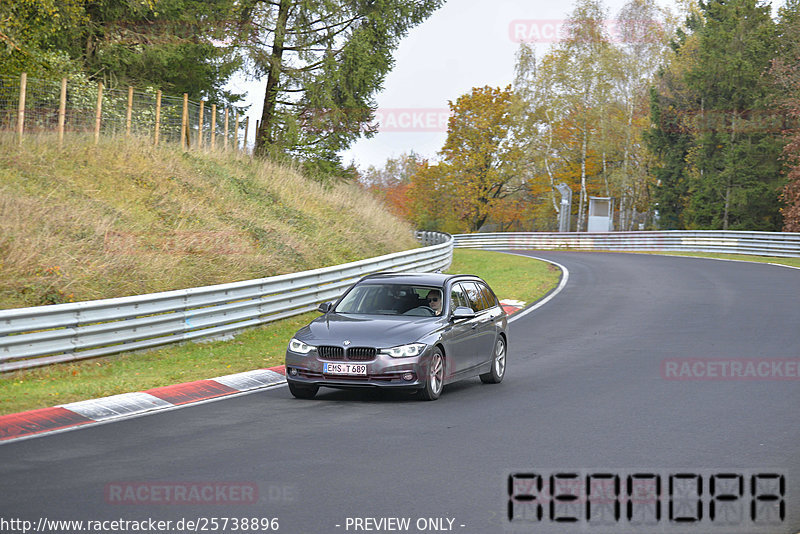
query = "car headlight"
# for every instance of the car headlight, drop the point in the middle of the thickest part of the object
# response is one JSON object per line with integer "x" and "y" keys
{"x": 295, "y": 345}
{"x": 405, "y": 351}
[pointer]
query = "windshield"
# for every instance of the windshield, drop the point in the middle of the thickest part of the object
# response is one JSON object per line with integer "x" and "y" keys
{"x": 392, "y": 299}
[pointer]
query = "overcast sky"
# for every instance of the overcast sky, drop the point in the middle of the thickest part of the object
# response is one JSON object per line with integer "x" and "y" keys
{"x": 465, "y": 44}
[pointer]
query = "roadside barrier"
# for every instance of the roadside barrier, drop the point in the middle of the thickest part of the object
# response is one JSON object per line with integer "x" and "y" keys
{"x": 43, "y": 335}
{"x": 730, "y": 242}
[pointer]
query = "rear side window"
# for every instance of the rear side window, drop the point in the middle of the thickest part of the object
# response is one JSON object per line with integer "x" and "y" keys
{"x": 475, "y": 296}
{"x": 458, "y": 297}
{"x": 488, "y": 296}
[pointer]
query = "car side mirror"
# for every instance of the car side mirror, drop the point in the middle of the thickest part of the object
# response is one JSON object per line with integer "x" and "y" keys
{"x": 325, "y": 307}
{"x": 462, "y": 312}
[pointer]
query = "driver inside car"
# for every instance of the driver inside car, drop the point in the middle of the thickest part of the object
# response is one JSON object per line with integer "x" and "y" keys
{"x": 435, "y": 301}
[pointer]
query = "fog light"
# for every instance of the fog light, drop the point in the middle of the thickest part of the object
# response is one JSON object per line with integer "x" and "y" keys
{"x": 408, "y": 377}
{"x": 293, "y": 371}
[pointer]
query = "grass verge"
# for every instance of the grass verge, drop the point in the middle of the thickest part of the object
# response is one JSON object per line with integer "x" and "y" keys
{"x": 510, "y": 276}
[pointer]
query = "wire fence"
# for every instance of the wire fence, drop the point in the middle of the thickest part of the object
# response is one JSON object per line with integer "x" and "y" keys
{"x": 33, "y": 106}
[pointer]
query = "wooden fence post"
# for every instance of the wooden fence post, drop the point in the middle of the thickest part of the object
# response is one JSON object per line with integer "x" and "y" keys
{"x": 62, "y": 112}
{"x": 129, "y": 112}
{"x": 158, "y": 117}
{"x": 246, "y": 129}
{"x": 226, "y": 130}
{"x": 23, "y": 89}
{"x": 200, "y": 126}
{"x": 98, "y": 113}
{"x": 184, "y": 120}
{"x": 213, "y": 125}
{"x": 236, "y": 133}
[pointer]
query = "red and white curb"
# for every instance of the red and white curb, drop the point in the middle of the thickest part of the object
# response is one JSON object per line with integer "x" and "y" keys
{"x": 66, "y": 416}
{"x": 512, "y": 306}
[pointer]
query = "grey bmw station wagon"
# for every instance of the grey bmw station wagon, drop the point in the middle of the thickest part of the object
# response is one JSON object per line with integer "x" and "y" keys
{"x": 402, "y": 330}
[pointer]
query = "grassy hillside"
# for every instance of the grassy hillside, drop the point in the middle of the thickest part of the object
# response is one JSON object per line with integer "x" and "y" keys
{"x": 123, "y": 218}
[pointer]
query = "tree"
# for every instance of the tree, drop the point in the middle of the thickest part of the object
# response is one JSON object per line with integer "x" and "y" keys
{"x": 324, "y": 60}
{"x": 640, "y": 50}
{"x": 481, "y": 160}
{"x": 722, "y": 156}
{"x": 179, "y": 46}
{"x": 733, "y": 163}
{"x": 583, "y": 79}
{"x": 35, "y": 33}
{"x": 393, "y": 181}
{"x": 434, "y": 204}
{"x": 537, "y": 110}
{"x": 787, "y": 76}
{"x": 670, "y": 137}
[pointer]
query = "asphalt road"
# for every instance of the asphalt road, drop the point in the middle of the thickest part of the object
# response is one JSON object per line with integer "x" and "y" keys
{"x": 588, "y": 390}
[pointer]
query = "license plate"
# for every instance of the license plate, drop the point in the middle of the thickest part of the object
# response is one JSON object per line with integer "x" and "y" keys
{"x": 351, "y": 369}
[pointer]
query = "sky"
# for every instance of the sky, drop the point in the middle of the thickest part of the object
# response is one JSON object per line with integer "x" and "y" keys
{"x": 465, "y": 44}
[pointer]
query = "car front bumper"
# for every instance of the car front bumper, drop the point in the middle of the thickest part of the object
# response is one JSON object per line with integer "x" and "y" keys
{"x": 383, "y": 371}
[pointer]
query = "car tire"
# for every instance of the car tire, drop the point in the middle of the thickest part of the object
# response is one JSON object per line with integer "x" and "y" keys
{"x": 498, "y": 370}
{"x": 434, "y": 382}
{"x": 302, "y": 392}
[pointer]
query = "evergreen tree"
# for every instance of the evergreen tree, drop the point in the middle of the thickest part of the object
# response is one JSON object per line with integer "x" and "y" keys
{"x": 731, "y": 177}
{"x": 324, "y": 60}
{"x": 670, "y": 137}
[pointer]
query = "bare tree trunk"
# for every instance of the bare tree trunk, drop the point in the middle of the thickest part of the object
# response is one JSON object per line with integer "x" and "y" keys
{"x": 264, "y": 135}
{"x": 582, "y": 204}
{"x": 556, "y": 206}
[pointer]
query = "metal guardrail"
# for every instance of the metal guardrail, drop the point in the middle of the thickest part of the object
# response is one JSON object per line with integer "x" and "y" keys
{"x": 43, "y": 335}
{"x": 730, "y": 242}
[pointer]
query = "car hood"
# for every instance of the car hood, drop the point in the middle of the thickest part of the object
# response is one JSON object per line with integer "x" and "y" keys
{"x": 367, "y": 330}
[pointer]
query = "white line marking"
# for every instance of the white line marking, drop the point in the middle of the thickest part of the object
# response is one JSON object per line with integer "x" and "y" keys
{"x": 549, "y": 297}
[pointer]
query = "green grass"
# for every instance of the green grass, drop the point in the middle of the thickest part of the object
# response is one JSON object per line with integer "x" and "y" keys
{"x": 512, "y": 277}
